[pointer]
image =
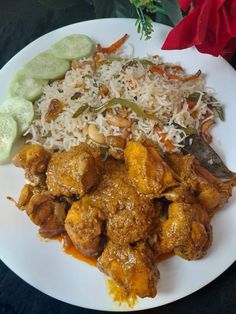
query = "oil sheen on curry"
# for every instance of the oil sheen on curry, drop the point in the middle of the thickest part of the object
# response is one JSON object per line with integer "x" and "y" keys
{"x": 124, "y": 214}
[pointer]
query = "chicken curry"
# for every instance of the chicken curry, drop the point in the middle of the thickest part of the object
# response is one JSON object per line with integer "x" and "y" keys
{"x": 124, "y": 213}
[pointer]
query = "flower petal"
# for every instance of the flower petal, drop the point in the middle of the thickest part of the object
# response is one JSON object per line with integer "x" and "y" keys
{"x": 184, "y": 4}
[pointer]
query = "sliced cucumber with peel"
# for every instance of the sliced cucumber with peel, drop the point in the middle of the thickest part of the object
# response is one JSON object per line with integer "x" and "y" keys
{"x": 74, "y": 46}
{"x": 8, "y": 133}
{"x": 20, "y": 109}
{"x": 16, "y": 112}
{"x": 26, "y": 87}
{"x": 46, "y": 66}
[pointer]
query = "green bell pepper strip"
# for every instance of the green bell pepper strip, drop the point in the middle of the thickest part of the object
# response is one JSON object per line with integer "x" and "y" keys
{"x": 80, "y": 110}
{"x": 126, "y": 104}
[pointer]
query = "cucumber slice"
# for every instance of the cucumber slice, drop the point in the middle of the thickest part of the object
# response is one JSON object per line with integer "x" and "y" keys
{"x": 46, "y": 66}
{"x": 20, "y": 109}
{"x": 26, "y": 87}
{"x": 73, "y": 47}
{"x": 8, "y": 133}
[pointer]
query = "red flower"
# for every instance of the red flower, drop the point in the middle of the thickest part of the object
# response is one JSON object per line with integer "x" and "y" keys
{"x": 210, "y": 25}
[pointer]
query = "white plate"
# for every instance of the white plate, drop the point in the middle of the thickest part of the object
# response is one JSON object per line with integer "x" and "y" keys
{"x": 44, "y": 265}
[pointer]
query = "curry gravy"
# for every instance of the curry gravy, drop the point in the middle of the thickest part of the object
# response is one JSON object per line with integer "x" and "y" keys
{"x": 72, "y": 251}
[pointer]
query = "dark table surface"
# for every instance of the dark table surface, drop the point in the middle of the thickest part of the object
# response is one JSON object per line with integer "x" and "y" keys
{"x": 20, "y": 23}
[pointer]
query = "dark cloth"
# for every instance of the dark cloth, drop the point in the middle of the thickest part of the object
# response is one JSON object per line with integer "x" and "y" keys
{"x": 22, "y": 21}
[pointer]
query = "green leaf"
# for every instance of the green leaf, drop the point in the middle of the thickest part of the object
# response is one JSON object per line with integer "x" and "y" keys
{"x": 219, "y": 111}
{"x": 163, "y": 19}
{"x": 216, "y": 107}
{"x": 173, "y": 10}
{"x": 114, "y": 8}
{"x": 59, "y": 4}
{"x": 194, "y": 97}
{"x": 152, "y": 7}
{"x": 190, "y": 131}
{"x": 80, "y": 110}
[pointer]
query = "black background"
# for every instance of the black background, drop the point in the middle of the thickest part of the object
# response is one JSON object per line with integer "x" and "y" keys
{"x": 21, "y": 22}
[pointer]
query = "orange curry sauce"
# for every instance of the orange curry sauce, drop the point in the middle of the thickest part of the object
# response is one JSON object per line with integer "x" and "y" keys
{"x": 117, "y": 292}
{"x": 72, "y": 251}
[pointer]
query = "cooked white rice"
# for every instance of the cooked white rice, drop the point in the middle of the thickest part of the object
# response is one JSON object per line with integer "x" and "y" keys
{"x": 155, "y": 94}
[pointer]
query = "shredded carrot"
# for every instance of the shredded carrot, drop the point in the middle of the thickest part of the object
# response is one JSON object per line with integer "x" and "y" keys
{"x": 193, "y": 77}
{"x": 163, "y": 138}
{"x": 157, "y": 69}
{"x": 177, "y": 68}
{"x": 204, "y": 130}
{"x": 114, "y": 47}
{"x": 175, "y": 77}
{"x": 163, "y": 72}
{"x": 184, "y": 79}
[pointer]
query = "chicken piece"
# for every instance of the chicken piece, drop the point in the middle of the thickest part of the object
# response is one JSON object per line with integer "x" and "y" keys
{"x": 133, "y": 268}
{"x": 182, "y": 165}
{"x": 53, "y": 226}
{"x": 36, "y": 179}
{"x": 187, "y": 231}
{"x": 129, "y": 215}
{"x": 181, "y": 193}
{"x": 114, "y": 192}
{"x": 213, "y": 193}
{"x": 43, "y": 210}
{"x": 198, "y": 184}
{"x": 41, "y": 206}
{"x": 154, "y": 237}
{"x": 74, "y": 172}
{"x": 33, "y": 158}
{"x": 147, "y": 171}
{"x": 26, "y": 193}
{"x": 84, "y": 227}
{"x": 129, "y": 226}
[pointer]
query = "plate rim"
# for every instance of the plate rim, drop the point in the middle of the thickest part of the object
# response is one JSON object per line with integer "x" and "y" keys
{"x": 28, "y": 46}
